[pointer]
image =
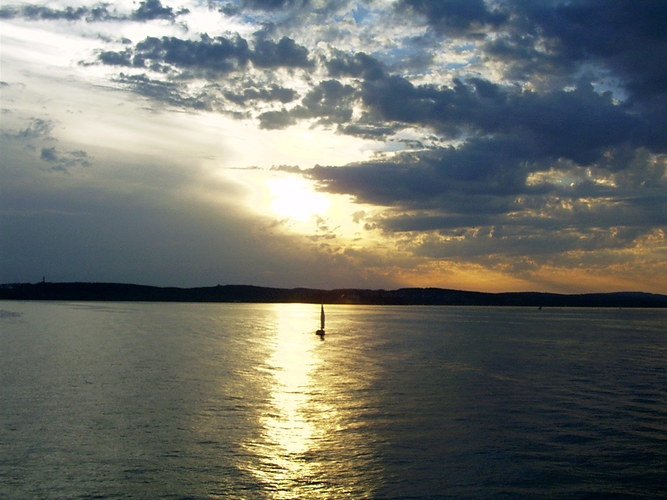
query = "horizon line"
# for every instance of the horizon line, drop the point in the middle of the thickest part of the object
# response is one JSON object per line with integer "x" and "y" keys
{"x": 45, "y": 282}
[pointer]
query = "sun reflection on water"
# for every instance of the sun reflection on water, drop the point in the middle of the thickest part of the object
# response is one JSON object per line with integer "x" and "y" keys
{"x": 297, "y": 421}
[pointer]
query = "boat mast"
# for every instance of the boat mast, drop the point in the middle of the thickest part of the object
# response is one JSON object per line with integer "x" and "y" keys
{"x": 322, "y": 317}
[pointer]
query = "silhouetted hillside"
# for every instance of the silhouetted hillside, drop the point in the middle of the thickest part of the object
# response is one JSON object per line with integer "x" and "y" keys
{"x": 247, "y": 293}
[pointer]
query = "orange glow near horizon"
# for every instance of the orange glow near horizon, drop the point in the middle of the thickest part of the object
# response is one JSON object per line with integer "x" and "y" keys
{"x": 473, "y": 277}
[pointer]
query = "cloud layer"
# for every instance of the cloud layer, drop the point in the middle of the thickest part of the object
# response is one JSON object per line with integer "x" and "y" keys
{"x": 526, "y": 139}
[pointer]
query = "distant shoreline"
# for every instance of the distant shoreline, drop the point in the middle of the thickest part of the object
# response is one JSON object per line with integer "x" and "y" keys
{"x": 256, "y": 294}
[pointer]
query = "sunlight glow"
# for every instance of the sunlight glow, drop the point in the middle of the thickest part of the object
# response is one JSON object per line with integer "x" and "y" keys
{"x": 296, "y": 426}
{"x": 292, "y": 197}
{"x": 310, "y": 432}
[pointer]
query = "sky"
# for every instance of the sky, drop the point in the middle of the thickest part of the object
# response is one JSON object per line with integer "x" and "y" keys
{"x": 499, "y": 145}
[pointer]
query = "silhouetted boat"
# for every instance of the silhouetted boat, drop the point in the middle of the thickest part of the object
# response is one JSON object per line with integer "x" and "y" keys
{"x": 320, "y": 332}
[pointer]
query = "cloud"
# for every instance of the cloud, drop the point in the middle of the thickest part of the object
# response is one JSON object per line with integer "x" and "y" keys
{"x": 573, "y": 124}
{"x": 37, "y": 128}
{"x": 624, "y": 38}
{"x": 458, "y": 17}
{"x": 66, "y": 160}
{"x": 37, "y": 136}
{"x": 329, "y": 102}
{"x": 506, "y": 137}
{"x": 153, "y": 9}
{"x": 510, "y": 136}
{"x": 208, "y": 56}
{"x": 273, "y": 4}
{"x": 286, "y": 53}
{"x": 49, "y": 154}
{"x": 172, "y": 93}
{"x": 148, "y": 10}
{"x": 486, "y": 208}
{"x": 226, "y": 63}
{"x": 280, "y": 15}
{"x": 272, "y": 93}
{"x": 359, "y": 65}
{"x": 272, "y": 120}
{"x": 40, "y": 12}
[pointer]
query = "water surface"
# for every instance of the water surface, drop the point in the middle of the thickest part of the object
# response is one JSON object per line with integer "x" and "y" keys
{"x": 147, "y": 400}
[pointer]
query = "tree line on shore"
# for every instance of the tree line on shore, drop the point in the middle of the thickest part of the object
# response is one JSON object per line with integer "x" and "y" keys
{"x": 248, "y": 293}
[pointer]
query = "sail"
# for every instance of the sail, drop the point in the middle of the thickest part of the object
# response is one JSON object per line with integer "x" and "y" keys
{"x": 322, "y": 318}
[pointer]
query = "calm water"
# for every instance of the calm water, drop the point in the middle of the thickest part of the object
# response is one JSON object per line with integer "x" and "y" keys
{"x": 148, "y": 400}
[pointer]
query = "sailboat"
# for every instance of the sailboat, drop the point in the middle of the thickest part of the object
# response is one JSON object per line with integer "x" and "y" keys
{"x": 320, "y": 332}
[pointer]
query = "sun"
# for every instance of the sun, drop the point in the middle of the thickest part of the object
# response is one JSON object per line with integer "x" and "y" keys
{"x": 292, "y": 197}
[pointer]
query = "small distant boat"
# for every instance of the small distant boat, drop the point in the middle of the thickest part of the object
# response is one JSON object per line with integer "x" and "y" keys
{"x": 320, "y": 332}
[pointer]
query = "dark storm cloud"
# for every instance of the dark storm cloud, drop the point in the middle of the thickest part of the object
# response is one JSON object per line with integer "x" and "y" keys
{"x": 626, "y": 38}
{"x": 116, "y": 58}
{"x": 453, "y": 16}
{"x": 441, "y": 178}
{"x": 272, "y": 93}
{"x": 493, "y": 210}
{"x": 209, "y": 55}
{"x": 35, "y": 12}
{"x": 507, "y": 216}
{"x": 272, "y": 120}
{"x": 359, "y": 65}
{"x": 214, "y": 55}
{"x": 484, "y": 244}
{"x": 273, "y": 4}
{"x": 508, "y": 134}
{"x": 147, "y": 11}
{"x": 576, "y": 124}
{"x": 286, "y": 53}
{"x": 573, "y": 124}
{"x": 622, "y": 42}
{"x": 223, "y": 61}
{"x": 368, "y": 130}
{"x": 153, "y": 9}
{"x": 629, "y": 36}
{"x": 495, "y": 166}
{"x": 330, "y": 102}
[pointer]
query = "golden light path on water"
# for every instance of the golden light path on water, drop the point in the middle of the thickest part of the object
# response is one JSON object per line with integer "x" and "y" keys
{"x": 296, "y": 424}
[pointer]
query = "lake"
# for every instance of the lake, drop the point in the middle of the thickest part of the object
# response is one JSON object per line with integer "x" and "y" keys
{"x": 176, "y": 400}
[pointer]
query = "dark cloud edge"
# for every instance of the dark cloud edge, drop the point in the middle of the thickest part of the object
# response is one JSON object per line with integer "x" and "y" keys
{"x": 148, "y": 10}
